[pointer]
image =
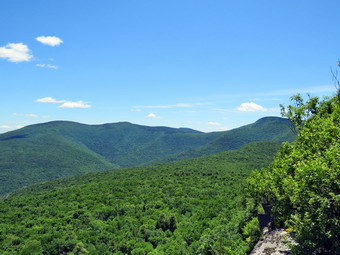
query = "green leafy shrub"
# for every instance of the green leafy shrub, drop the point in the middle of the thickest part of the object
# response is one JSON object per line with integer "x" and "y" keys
{"x": 303, "y": 182}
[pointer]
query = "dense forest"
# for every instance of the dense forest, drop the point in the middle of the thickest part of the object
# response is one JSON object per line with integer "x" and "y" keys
{"x": 187, "y": 207}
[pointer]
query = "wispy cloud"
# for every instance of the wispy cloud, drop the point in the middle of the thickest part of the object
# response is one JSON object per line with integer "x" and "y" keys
{"x": 78, "y": 104}
{"x": 15, "y": 52}
{"x": 216, "y": 128}
{"x": 49, "y": 40}
{"x": 211, "y": 123}
{"x": 152, "y": 115}
{"x": 64, "y": 103}
{"x": 252, "y": 107}
{"x": 50, "y": 100}
{"x": 26, "y": 115}
{"x": 10, "y": 127}
{"x": 47, "y": 66}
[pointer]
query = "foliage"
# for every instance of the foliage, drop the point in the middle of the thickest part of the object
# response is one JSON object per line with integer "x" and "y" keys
{"x": 58, "y": 149}
{"x": 187, "y": 207}
{"x": 28, "y": 157}
{"x": 265, "y": 129}
{"x": 303, "y": 182}
{"x": 300, "y": 111}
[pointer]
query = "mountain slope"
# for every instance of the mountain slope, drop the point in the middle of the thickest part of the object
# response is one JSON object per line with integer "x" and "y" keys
{"x": 60, "y": 148}
{"x": 265, "y": 129}
{"x": 127, "y": 144}
{"x": 30, "y": 157}
{"x": 57, "y": 149}
{"x": 186, "y": 207}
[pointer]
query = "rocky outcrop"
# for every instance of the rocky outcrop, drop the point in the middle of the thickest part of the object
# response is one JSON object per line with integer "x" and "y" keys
{"x": 274, "y": 242}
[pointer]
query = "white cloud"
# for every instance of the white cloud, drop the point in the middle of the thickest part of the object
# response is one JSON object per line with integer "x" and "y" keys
{"x": 152, "y": 115}
{"x": 64, "y": 103}
{"x": 26, "y": 115}
{"x": 136, "y": 110}
{"x": 78, "y": 104}
{"x": 15, "y": 52}
{"x": 49, "y": 40}
{"x": 214, "y": 123}
{"x": 184, "y": 105}
{"x": 251, "y": 107}
{"x": 47, "y": 66}
{"x": 50, "y": 100}
{"x": 11, "y": 127}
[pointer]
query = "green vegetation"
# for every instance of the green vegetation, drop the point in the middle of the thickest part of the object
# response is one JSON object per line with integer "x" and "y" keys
{"x": 303, "y": 183}
{"x": 265, "y": 129}
{"x": 27, "y": 158}
{"x": 195, "y": 206}
{"x": 58, "y": 149}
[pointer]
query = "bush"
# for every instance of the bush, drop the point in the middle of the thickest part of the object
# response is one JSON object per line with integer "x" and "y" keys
{"x": 303, "y": 182}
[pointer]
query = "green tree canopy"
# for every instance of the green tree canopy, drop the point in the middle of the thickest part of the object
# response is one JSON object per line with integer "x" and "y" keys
{"x": 302, "y": 184}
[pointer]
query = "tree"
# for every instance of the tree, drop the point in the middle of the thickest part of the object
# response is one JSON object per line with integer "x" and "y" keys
{"x": 303, "y": 184}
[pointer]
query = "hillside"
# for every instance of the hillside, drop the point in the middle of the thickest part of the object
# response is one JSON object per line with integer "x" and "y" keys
{"x": 30, "y": 156}
{"x": 266, "y": 129}
{"x": 195, "y": 206}
{"x": 57, "y": 149}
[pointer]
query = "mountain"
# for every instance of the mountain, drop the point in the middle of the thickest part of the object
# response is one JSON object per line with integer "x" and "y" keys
{"x": 266, "y": 129}
{"x": 194, "y": 206}
{"x": 57, "y": 149}
{"x": 35, "y": 154}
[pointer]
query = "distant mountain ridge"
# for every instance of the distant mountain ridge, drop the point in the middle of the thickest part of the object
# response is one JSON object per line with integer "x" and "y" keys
{"x": 56, "y": 149}
{"x": 265, "y": 129}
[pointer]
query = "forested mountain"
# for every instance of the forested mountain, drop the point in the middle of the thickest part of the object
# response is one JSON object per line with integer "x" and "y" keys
{"x": 57, "y": 149}
{"x": 265, "y": 129}
{"x": 195, "y": 206}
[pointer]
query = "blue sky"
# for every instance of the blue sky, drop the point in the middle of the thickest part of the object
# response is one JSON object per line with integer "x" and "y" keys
{"x": 206, "y": 65}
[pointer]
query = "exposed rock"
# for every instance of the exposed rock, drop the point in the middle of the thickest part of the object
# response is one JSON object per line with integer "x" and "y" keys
{"x": 273, "y": 242}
